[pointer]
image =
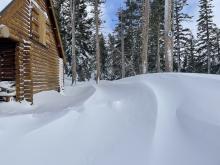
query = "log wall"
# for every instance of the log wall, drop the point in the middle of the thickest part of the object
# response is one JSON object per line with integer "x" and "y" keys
{"x": 7, "y": 60}
{"x": 37, "y": 64}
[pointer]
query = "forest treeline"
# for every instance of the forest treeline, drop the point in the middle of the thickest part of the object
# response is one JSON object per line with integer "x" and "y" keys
{"x": 149, "y": 37}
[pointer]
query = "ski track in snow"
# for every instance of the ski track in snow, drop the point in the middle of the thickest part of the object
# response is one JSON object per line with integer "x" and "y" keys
{"x": 158, "y": 119}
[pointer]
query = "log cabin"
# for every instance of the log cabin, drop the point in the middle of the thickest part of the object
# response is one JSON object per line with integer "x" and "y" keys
{"x": 31, "y": 51}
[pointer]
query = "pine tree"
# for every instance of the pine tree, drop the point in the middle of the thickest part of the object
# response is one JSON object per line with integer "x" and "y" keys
{"x": 83, "y": 38}
{"x": 216, "y": 59}
{"x": 122, "y": 41}
{"x": 114, "y": 47}
{"x": 181, "y": 34}
{"x": 96, "y": 5}
{"x": 110, "y": 46}
{"x": 73, "y": 42}
{"x": 96, "y": 10}
{"x": 133, "y": 42}
{"x": 130, "y": 23}
{"x": 57, "y": 6}
{"x": 156, "y": 41}
{"x": 205, "y": 36}
{"x": 122, "y": 46}
{"x": 104, "y": 58}
{"x": 189, "y": 55}
{"x": 133, "y": 37}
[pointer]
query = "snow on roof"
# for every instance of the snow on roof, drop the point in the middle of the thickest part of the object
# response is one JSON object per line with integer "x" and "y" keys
{"x": 4, "y": 4}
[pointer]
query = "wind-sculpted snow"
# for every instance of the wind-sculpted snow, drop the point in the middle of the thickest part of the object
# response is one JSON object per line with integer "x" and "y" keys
{"x": 158, "y": 119}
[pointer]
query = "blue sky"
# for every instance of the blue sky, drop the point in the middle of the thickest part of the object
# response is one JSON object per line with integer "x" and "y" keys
{"x": 109, "y": 14}
{"x": 111, "y": 7}
{"x": 4, "y": 3}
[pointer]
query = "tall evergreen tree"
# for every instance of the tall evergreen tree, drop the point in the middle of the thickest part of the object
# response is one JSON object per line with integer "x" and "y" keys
{"x": 105, "y": 61}
{"x": 181, "y": 34}
{"x": 73, "y": 42}
{"x": 83, "y": 37}
{"x": 97, "y": 11}
{"x": 189, "y": 55}
{"x": 115, "y": 55}
{"x": 57, "y": 6}
{"x": 110, "y": 47}
{"x": 216, "y": 59}
{"x": 132, "y": 36}
{"x": 156, "y": 41}
{"x": 205, "y": 35}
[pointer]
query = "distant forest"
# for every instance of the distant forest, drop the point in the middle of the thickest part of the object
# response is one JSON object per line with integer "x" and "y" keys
{"x": 149, "y": 37}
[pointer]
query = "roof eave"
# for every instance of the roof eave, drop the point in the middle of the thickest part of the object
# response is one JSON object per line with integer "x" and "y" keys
{"x": 57, "y": 31}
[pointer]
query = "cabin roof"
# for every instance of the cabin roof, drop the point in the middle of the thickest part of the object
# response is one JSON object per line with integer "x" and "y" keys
{"x": 4, "y": 5}
{"x": 56, "y": 28}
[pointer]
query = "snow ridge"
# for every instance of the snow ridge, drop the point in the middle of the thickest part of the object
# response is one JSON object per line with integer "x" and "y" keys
{"x": 169, "y": 119}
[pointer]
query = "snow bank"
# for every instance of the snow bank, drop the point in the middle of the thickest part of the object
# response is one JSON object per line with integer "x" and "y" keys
{"x": 158, "y": 119}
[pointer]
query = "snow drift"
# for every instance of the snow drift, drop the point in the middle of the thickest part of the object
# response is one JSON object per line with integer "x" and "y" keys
{"x": 158, "y": 119}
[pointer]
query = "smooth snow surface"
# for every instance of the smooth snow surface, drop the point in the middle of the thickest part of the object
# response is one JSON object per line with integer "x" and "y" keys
{"x": 158, "y": 119}
{"x": 4, "y": 4}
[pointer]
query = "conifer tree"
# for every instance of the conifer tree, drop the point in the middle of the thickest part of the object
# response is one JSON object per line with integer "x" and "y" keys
{"x": 216, "y": 59}
{"x": 114, "y": 46}
{"x": 96, "y": 5}
{"x": 57, "y": 6}
{"x": 181, "y": 34}
{"x": 156, "y": 33}
{"x": 83, "y": 34}
{"x": 132, "y": 36}
{"x": 189, "y": 55}
{"x": 73, "y": 42}
{"x": 205, "y": 35}
{"x": 104, "y": 58}
{"x": 110, "y": 47}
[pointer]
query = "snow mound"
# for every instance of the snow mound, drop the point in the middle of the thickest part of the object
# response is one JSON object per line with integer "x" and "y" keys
{"x": 157, "y": 119}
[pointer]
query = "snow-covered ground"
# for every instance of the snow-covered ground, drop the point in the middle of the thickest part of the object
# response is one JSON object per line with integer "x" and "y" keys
{"x": 157, "y": 119}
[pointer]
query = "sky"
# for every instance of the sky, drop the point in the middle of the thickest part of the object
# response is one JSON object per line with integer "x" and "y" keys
{"x": 111, "y": 7}
{"x": 4, "y": 3}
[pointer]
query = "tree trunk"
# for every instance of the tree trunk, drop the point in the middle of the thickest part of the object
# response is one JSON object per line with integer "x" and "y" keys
{"x": 74, "y": 73}
{"x": 177, "y": 38}
{"x": 97, "y": 42}
{"x": 145, "y": 36}
{"x": 168, "y": 36}
{"x": 218, "y": 46}
{"x": 208, "y": 44}
{"x": 122, "y": 48}
{"x": 158, "y": 49}
{"x": 209, "y": 54}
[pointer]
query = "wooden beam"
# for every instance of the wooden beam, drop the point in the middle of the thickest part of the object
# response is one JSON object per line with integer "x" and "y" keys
{"x": 4, "y": 31}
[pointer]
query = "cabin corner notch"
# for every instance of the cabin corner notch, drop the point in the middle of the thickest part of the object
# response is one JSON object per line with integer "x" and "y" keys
{"x": 4, "y": 31}
{"x": 33, "y": 49}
